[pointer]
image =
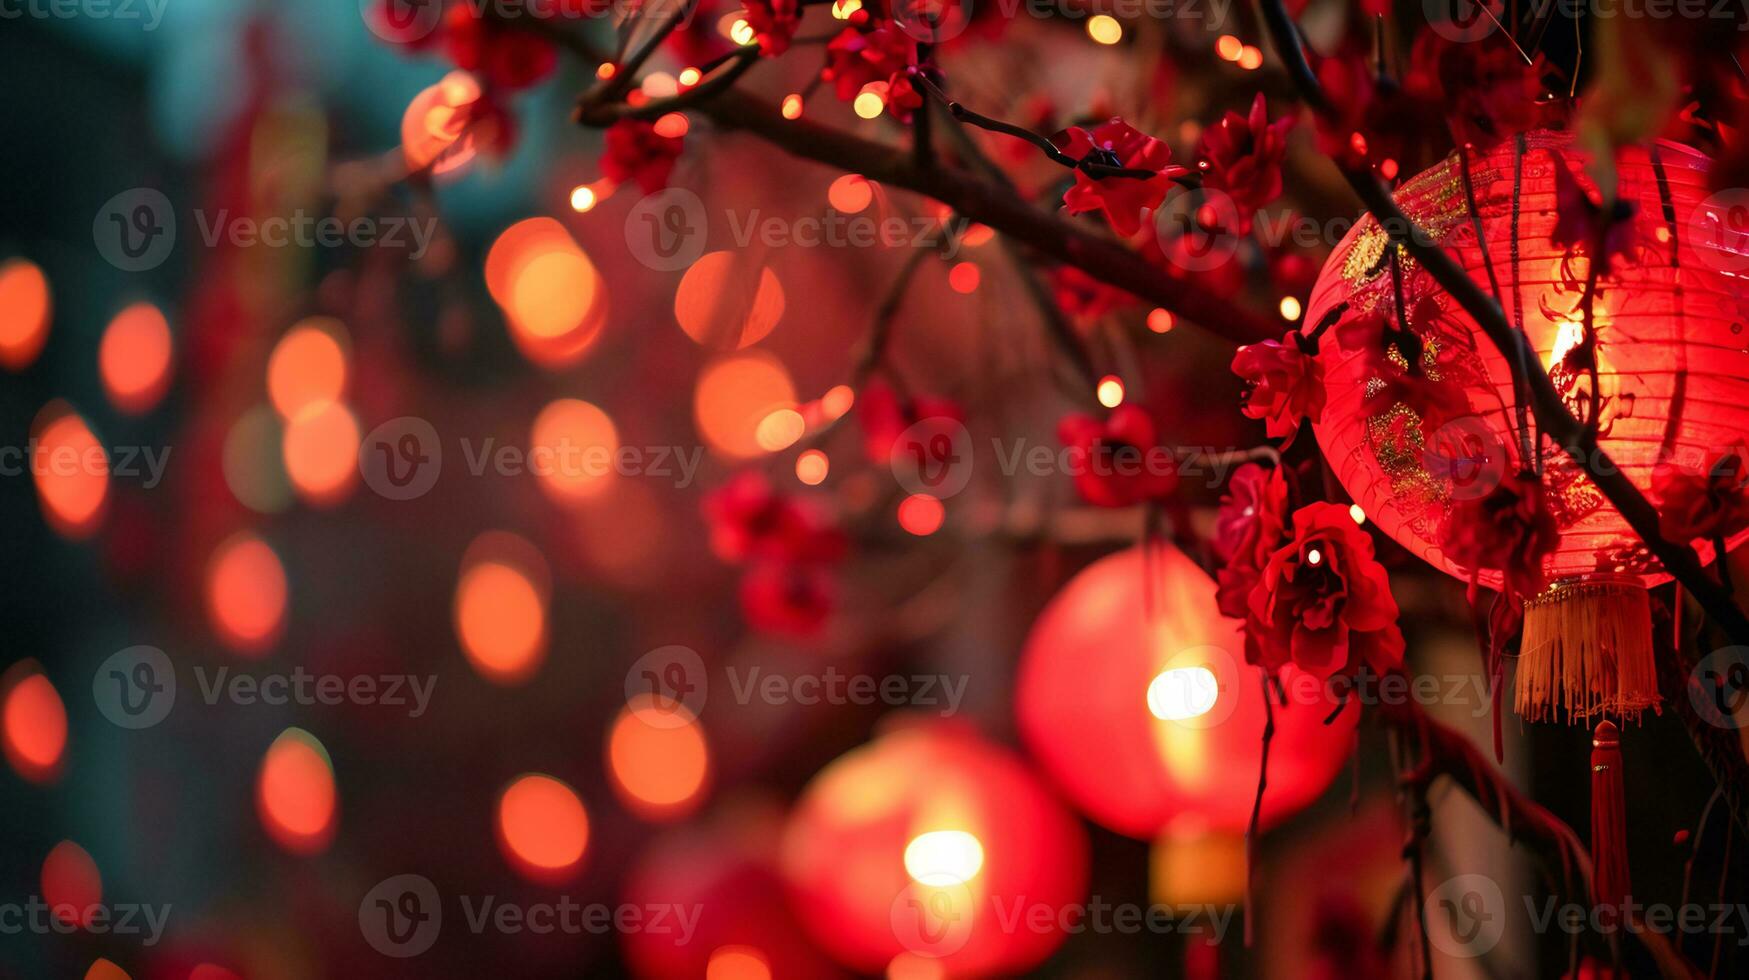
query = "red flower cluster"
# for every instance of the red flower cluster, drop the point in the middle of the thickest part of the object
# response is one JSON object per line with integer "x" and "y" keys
{"x": 1241, "y": 156}
{"x": 789, "y": 547}
{"x": 1121, "y": 199}
{"x": 1509, "y": 529}
{"x": 1703, "y": 506}
{"x": 1286, "y": 385}
{"x": 501, "y": 54}
{"x": 635, "y": 150}
{"x": 1081, "y": 295}
{"x": 885, "y": 415}
{"x": 774, "y": 23}
{"x": 1248, "y": 527}
{"x": 874, "y": 52}
{"x": 1116, "y": 461}
{"x": 1322, "y": 602}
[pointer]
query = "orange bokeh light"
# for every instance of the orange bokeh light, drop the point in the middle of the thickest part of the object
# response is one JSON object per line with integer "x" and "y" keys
{"x": 25, "y": 310}
{"x": 446, "y": 123}
{"x": 542, "y": 827}
{"x": 727, "y": 301}
{"x": 554, "y": 300}
{"x": 34, "y": 722}
{"x": 964, "y": 277}
{"x": 320, "y": 452}
{"x": 658, "y": 759}
{"x": 307, "y": 367}
{"x": 737, "y": 963}
{"x": 812, "y": 467}
{"x": 921, "y": 514}
{"x": 72, "y": 886}
{"x": 134, "y": 358}
{"x": 734, "y": 395}
{"x": 71, "y": 470}
{"x": 102, "y": 969}
{"x": 572, "y": 448}
{"x": 246, "y": 594}
{"x": 501, "y": 607}
{"x": 295, "y": 794}
{"x": 850, "y": 193}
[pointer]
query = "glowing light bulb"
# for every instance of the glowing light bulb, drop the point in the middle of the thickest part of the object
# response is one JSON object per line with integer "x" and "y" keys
{"x": 1355, "y": 511}
{"x": 1110, "y": 391}
{"x": 792, "y": 106}
{"x": 741, "y": 32}
{"x": 1290, "y": 308}
{"x": 1160, "y": 320}
{"x": 1229, "y": 47}
{"x": 944, "y": 857}
{"x": 1182, "y": 693}
{"x": 582, "y": 198}
{"x": 1104, "y": 29}
{"x": 1314, "y": 557}
{"x": 868, "y": 104}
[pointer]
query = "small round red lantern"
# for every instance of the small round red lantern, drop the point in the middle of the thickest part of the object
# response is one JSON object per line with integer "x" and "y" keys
{"x": 1658, "y": 363}
{"x": 1135, "y": 696}
{"x": 923, "y": 844}
{"x": 723, "y": 874}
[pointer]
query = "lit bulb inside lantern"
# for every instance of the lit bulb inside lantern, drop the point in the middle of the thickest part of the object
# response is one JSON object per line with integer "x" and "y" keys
{"x": 1110, "y": 391}
{"x": 944, "y": 857}
{"x": 1183, "y": 693}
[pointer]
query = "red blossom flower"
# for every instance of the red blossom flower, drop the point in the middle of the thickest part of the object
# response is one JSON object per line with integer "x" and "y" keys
{"x": 774, "y": 23}
{"x": 1703, "y": 506}
{"x": 750, "y": 520}
{"x": 903, "y": 97}
{"x": 1286, "y": 385}
{"x": 1116, "y": 461}
{"x": 1081, "y": 295}
{"x": 1121, "y": 199}
{"x": 1241, "y": 156}
{"x": 1248, "y": 528}
{"x": 1486, "y": 91}
{"x": 793, "y": 598}
{"x": 1581, "y": 220}
{"x": 855, "y": 58}
{"x": 634, "y": 150}
{"x": 503, "y": 55}
{"x": 885, "y": 415}
{"x": 1323, "y": 603}
{"x": 1509, "y": 529}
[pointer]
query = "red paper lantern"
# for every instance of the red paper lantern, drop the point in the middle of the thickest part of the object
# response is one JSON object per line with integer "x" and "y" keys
{"x": 1135, "y": 696}
{"x": 724, "y": 872}
{"x": 1672, "y": 370}
{"x": 925, "y": 843}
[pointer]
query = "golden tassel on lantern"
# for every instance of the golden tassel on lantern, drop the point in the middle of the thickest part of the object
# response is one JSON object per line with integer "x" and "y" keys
{"x": 1587, "y": 651}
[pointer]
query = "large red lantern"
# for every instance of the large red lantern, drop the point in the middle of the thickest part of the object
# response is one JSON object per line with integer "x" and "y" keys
{"x": 925, "y": 844}
{"x": 1135, "y": 696}
{"x": 721, "y": 874}
{"x": 1671, "y": 384}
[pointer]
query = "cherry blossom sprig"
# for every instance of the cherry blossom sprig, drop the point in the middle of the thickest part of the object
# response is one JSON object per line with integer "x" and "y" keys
{"x": 1094, "y": 164}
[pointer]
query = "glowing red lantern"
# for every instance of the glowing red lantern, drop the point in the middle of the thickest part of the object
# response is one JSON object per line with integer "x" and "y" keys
{"x": 921, "y": 844}
{"x": 1672, "y": 383}
{"x": 1135, "y": 696}
{"x": 725, "y": 869}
